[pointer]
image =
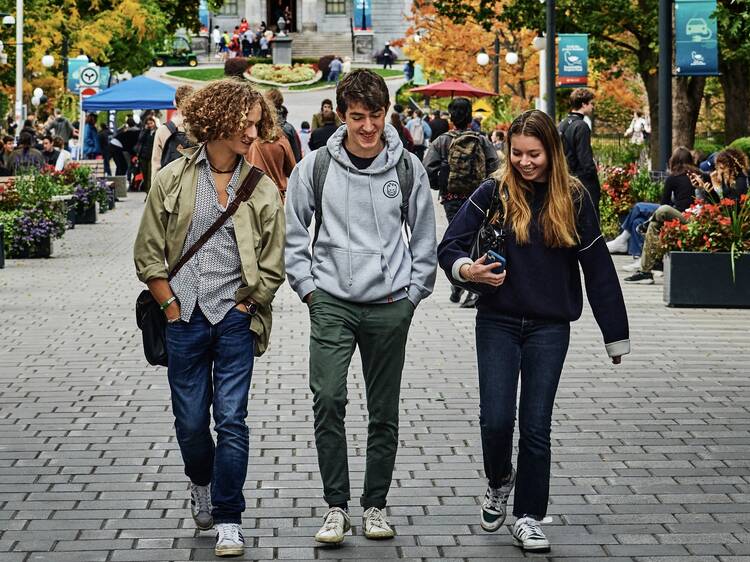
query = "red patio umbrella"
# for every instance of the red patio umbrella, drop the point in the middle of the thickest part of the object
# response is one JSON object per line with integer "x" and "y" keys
{"x": 451, "y": 88}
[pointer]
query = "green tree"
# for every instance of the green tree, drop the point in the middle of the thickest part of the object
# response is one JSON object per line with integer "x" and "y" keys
{"x": 733, "y": 20}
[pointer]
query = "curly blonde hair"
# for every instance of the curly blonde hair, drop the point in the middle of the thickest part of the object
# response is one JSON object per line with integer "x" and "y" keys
{"x": 221, "y": 109}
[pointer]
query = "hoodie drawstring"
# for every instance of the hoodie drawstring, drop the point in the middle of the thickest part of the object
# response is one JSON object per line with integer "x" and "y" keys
{"x": 348, "y": 231}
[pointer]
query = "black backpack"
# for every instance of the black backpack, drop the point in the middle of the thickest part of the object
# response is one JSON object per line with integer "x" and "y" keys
{"x": 178, "y": 140}
{"x": 404, "y": 171}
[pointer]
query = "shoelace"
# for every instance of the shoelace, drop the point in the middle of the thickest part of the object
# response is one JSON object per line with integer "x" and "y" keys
{"x": 333, "y": 519}
{"x": 376, "y": 517}
{"x": 531, "y": 528}
{"x": 202, "y": 498}
{"x": 492, "y": 499}
{"x": 230, "y": 532}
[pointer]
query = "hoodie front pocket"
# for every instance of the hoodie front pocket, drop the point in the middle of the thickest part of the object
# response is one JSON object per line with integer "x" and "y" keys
{"x": 356, "y": 274}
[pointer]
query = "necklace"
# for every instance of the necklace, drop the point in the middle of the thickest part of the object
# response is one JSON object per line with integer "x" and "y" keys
{"x": 216, "y": 170}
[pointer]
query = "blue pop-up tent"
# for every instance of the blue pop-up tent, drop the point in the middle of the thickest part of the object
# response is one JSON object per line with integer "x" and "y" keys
{"x": 138, "y": 93}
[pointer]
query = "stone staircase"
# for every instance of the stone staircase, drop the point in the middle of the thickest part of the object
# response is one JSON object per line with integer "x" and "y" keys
{"x": 317, "y": 44}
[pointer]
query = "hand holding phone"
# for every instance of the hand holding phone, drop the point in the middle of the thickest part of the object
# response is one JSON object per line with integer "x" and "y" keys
{"x": 494, "y": 257}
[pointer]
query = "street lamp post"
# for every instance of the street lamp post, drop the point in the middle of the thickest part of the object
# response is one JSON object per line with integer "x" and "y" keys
{"x": 19, "y": 65}
{"x": 496, "y": 70}
{"x": 665, "y": 82}
{"x": 550, "y": 58}
{"x": 483, "y": 59}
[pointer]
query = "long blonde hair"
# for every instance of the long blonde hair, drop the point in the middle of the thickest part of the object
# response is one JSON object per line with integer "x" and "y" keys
{"x": 558, "y": 214}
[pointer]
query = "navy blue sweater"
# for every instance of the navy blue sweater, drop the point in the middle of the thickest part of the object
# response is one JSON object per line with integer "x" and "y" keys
{"x": 545, "y": 283}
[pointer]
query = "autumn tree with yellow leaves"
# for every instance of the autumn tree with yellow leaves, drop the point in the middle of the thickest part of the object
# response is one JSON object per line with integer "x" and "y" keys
{"x": 446, "y": 49}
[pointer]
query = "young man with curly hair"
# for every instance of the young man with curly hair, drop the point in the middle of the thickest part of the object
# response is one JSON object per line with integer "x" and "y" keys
{"x": 374, "y": 260}
{"x": 218, "y": 306}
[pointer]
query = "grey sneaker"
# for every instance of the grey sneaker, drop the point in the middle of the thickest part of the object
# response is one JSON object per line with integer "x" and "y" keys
{"x": 229, "y": 540}
{"x": 200, "y": 506}
{"x": 335, "y": 523}
{"x": 528, "y": 534}
{"x": 375, "y": 525}
{"x": 494, "y": 504}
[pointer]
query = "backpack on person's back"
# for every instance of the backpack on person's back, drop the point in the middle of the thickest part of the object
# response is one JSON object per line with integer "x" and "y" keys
{"x": 466, "y": 161}
{"x": 417, "y": 133}
{"x": 177, "y": 141}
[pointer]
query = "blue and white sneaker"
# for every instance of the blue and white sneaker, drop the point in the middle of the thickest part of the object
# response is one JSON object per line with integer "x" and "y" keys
{"x": 495, "y": 503}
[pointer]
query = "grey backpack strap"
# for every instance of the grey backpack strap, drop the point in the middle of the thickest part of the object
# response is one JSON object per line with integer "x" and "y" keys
{"x": 405, "y": 173}
{"x": 320, "y": 171}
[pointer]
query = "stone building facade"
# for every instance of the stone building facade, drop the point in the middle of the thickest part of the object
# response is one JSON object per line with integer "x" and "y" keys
{"x": 323, "y": 16}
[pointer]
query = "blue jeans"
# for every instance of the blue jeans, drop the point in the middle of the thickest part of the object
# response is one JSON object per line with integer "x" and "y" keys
{"x": 537, "y": 349}
{"x": 639, "y": 214}
{"x": 197, "y": 348}
{"x": 333, "y": 76}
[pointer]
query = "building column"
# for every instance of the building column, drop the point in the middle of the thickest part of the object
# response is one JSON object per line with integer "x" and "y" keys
{"x": 309, "y": 20}
{"x": 253, "y": 12}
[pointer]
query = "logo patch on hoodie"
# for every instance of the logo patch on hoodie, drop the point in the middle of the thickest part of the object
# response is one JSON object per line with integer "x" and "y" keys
{"x": 391, "y": 189}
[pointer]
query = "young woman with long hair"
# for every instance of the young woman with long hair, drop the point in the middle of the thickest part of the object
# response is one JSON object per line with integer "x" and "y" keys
{"x": 523, "y": 325}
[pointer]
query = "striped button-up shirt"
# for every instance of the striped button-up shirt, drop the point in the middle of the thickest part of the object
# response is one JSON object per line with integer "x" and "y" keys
{"x": 211, "y": 277}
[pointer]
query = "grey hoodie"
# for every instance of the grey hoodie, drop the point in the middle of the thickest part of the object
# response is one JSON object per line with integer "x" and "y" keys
{"x": 361, "y": 254}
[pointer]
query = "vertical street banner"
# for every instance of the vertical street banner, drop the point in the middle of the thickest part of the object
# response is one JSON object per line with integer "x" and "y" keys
{"x": 362, "y": 15}
{"x": 573, "y": 59}
{"x": 696, "y": 50}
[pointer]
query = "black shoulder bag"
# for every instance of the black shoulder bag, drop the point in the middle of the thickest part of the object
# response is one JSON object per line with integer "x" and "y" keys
{"x": 149, "y": 317}
{"x": 490, "y": 236}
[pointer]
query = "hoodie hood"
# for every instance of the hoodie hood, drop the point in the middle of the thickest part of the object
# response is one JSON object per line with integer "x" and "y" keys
{"x": 386, "y": 160}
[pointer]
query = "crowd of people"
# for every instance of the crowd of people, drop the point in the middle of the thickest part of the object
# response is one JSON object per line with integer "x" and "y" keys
{"x": 243, "y": 41}
{"x": 362, "y": 173}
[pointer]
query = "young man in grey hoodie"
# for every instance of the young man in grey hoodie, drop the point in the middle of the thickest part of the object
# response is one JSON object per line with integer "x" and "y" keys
{"x": 362, "y": 283}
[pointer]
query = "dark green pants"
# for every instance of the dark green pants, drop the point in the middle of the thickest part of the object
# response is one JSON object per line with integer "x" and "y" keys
{"x": 380, "y": 330}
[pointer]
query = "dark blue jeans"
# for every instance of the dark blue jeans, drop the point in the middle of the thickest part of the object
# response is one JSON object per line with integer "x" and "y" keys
{"x": 537, "y": 349}
{"x": 639, "y": 214}
{"x": 212, "y": 366}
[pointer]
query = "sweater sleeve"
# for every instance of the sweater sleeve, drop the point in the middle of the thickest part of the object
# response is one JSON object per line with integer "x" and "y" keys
{"x": 584, "y": 151}
{"x": 422, "y": 243}
{"x": 300, "y": 208}
{"x": 666, "y": 195}
{"x": 458, "y": 238}
{"x": 602, "y": 285}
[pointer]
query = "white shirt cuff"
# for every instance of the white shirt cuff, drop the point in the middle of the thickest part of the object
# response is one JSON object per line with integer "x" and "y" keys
{"x": 616, "y": 348}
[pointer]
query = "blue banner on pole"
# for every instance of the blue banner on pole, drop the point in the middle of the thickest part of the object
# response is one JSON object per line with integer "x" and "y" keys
{"x": 573, "y": 59}
{"x": 362, "y": 15}
{"x": 696, "y": 52}
{"x": 74, "y": 74}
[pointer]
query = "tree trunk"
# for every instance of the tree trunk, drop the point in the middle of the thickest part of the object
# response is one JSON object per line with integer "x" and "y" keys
{"x": 651, "y": 82}
{"x": 735, "y": 81}
{"x": 687, "y": 94}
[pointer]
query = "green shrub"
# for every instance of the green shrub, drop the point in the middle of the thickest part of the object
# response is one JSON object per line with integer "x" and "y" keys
{"x": 614, "y": 152}
{"x": 644, "y": 188}
{"x": 707, "y": 146}
{"x": 743, "y": 144}
{"x": 610, "y": 222}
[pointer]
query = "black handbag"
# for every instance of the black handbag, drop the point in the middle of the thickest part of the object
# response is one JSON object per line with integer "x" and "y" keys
{"x": 490, "y": 236}
{"x": 149, "y": 317}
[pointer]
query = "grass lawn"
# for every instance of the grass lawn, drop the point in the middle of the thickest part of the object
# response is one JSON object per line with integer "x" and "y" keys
{"x": 207, "y": 74}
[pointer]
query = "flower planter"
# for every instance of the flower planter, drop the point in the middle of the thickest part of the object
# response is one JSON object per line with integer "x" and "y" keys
{"x": 86, "y": 215}
{"x": 703, "y": 279}
{"x": 111, "y": 197}
{"x": 71, "y": 213}
{"x": 41, "y": 250}
{"x": 2, "y": 246}
{"x": 121, "y": 186}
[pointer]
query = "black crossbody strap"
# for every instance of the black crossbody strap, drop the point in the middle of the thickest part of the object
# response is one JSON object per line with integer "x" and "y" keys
{"x": 242, "y": 195}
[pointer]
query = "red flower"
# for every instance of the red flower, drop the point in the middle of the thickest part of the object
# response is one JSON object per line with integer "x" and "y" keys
{"x": 726, "y": 202}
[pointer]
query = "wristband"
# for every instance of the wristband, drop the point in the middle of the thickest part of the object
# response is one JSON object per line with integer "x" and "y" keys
{"x": 167, "y": 302}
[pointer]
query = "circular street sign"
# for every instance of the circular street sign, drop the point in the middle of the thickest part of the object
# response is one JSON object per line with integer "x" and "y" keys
{"x": 86, "y": 92}
{"x": 89, "y": 76}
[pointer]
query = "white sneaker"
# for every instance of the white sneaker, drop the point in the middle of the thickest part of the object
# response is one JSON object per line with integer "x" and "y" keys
{"x": 375, "y": 525}
{"x": 527, "y": 533}
{"x": 229, "y": 540}
{"x": 335, "y": 523}
{"x": 635, "y": 266}
{"x": 200, "y": 506}
{"x": 620, "y": 244}
{"x": 495, "y": 503}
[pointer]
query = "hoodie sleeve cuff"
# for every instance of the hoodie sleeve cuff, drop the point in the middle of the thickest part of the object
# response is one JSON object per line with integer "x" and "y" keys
{"x": 616, "y": 348}
{"x": 415, "y": 295}
{"x": 456, "y": 269}
{"x": 306, "y": 287}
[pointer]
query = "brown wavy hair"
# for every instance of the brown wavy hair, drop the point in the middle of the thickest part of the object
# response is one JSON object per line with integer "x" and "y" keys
{"x": 221, "y": 109}
{"x": 733, "y": 163}
{"x": 558, "y": 214}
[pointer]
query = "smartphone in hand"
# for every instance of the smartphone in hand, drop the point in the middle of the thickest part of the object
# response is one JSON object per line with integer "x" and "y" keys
{"x": 494, "y": 257}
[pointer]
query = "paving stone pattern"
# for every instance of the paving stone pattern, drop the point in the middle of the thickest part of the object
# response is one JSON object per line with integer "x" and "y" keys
{"x": 650, "y": 459}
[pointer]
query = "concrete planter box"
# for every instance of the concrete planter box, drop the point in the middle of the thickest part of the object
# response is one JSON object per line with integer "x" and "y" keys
{"x": 702, "y": 279}
{"x": 121, "y": 186}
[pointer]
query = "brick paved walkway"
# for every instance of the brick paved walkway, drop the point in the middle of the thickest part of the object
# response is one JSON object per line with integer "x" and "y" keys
{"x": 650, "y": 460}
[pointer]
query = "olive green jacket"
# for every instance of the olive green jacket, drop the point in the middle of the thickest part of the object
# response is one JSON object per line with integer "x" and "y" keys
{"x": 259, "y": 226}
